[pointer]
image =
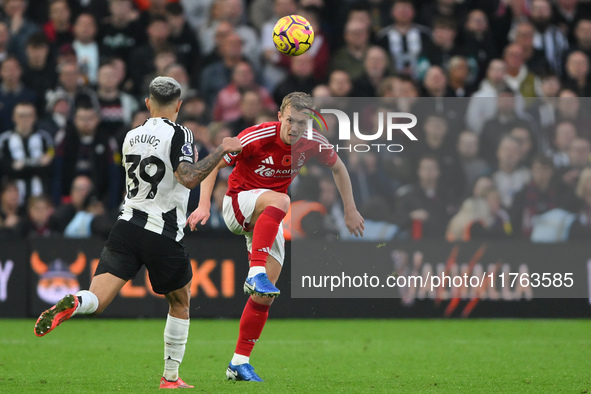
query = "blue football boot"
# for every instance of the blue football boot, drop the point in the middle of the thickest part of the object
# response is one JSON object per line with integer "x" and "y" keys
{"x": 261, "y": 286}
{"x": 243, "y": 372}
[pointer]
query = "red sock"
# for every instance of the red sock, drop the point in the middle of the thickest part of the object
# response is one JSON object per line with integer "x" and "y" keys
{"x": 265, "y": 231}
{"x": 252, "y": 323}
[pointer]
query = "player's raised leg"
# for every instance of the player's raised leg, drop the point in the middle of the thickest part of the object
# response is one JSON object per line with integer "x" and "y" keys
{"x": 252, "y": 323}
{"x": 270, "y": 209}
{"x": 176, "y": 333}
{"x": 103, "y": 289}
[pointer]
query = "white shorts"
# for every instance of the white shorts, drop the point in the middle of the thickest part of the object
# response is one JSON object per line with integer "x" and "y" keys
{"x": 238, "y": 210}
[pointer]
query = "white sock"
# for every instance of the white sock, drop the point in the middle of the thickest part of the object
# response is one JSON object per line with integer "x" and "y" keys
{"x": 89, "y": 303}
{"x": 176, "y": 333}
{"x": 255, "y": 270}
{"x": 239, "y": 359}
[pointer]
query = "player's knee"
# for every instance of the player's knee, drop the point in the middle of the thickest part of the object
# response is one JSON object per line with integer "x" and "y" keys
{"x": 281, "y": 201}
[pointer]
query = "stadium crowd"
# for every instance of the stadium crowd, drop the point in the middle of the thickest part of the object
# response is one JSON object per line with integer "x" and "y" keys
{"x": 503, "y": 148}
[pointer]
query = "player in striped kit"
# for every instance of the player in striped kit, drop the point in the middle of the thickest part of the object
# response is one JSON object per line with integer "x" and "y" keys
{"x": 256, "y": 202}
{"x": 161, "y": 168}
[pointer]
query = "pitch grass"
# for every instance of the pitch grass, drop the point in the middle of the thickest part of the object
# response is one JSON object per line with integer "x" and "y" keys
{"x": 104, "y": 355}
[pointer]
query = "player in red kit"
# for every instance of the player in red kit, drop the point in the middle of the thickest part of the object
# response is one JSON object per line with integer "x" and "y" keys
{"x": 256, "y": 202}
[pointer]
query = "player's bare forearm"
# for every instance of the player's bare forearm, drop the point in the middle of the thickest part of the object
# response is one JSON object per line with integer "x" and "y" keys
{"x": 208, "y": 184}
{"x": 190, "y": 175}
{"x": 343, "y": 182}
{"x": 353, "y": 218}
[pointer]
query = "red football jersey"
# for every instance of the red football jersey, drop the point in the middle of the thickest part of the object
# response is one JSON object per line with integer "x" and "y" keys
{"x": 266, "y": 162}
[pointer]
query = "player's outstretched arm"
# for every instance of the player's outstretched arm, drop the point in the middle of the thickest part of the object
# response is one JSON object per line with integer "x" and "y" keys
{"x": 190, "y": 175}
{"x": 202, "y": 212}
{"x": 353, "y": 218}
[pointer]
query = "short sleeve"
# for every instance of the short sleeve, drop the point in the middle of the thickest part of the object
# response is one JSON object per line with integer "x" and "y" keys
{"x": 232, "y": 158}
{"x": 182, "y": 147}
{"x": 325, "y": 151}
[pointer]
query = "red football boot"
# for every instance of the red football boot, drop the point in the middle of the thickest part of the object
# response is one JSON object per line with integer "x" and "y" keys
{"x": 177, "y": 384}
{"x": 55, "y": 315}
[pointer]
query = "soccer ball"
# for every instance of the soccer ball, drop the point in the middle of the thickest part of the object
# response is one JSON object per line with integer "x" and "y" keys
{"x": 293, "y": 35}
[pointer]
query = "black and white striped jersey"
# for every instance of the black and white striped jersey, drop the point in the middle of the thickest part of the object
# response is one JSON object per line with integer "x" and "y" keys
{"x": 155, "y": 200}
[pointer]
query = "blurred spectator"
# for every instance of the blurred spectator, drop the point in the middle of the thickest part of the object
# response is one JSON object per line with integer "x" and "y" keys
{"x": 183, "y": 38}
{"x": 424, "y": 209}
{"x": 70, "y": 84}
{"x": 367, "y": 177}
{"x": 300, "y": 78}
{"x": 582, "y": 34}
{"x": 527, "y": 144}
{"x": 375, "y": 70}
{"x": 478, "y": 40}
{"x": 321, "y": 90}
{"x": 57, "y": 111}
{"x": 505, "y": 120}
{"x": 517, "y": 75}
{"x": 26, "y": 153}
{"x": 151, "y": 9}
{"x": 534, "y": 58}
{"x": 273, "y": 71}
{"x": 568, "y": 13}
{"x": 351, "y": 55}
{"x": 339, "y": 84}
{"x": 197, "y": 12}
{"x": 216, "y": 219}
{"x": 39, "y": 71}
{"x": 164, "y": 58}
{"x": 222, "y": 31}
{"x": 581, "y": 227}
{"x": 86, "y": 47}
{"x": 404, "y": 40}
{"x": 141, "y": 59}
{"x": 510, "y": 176}
{"x": 548, "y": 36}
{"x": 570, "y": 109}
{"x": 4, "y": 37}
{"x": 438, "y": 143}
{"x": 579, "y": 154}
{"x": 218, "y": 74}
{"x": 439, "y": 9}
{"x": 58, "y": 28}
{"x": 12, "y": 91}
{"x": 231, "y": 11}
{"x": 195, "y": 107}
{"x": 537, "y": 197}
{"x": 117, "y": 107}
{"x": 139, "y": 117}
{"x": 83, "y": 151}
{"x": 19, "y": 26}
{"x": 441, "y": 47}
{"x": 543, "y": 111}
{"x": 11, "y": 221}
{"x": 81, "y": 225}
{"x": 227, "y": 104}
{"x": 459, "y": 77}
{"x": 482, "y": 105}
{"x": 495, "y": 224}
{"x": 40, "y": 221}
{"x": 261, "y": 11}
{"x": 251, "y": 107}
{"x": 179, "y": 73}
{"x": 473, "y": 166}
{"x": 121, "y": 31}
{"x": 306, "y": 216}
{"x": 320, "y": 50}
{"x": 577, "y": 74}
{"x": 564, "y": 134}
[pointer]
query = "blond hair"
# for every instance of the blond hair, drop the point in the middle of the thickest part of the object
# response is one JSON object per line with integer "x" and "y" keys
{"x": 298, "y": 100}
